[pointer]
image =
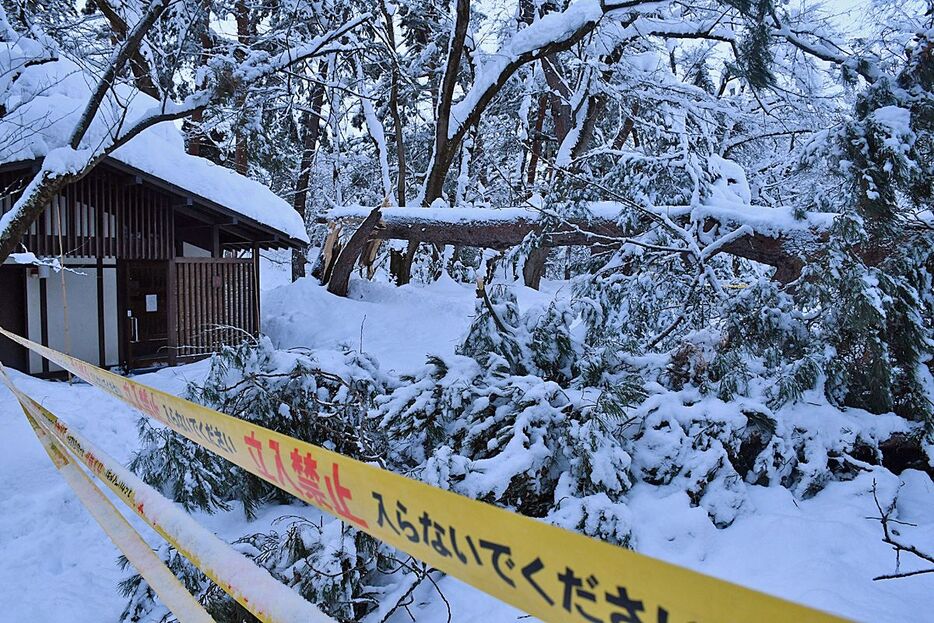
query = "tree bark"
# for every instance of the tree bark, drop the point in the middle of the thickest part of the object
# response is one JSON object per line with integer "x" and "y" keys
{"x": 139, "y": 65}
{"x": 395, "y": 77}
{"x": 241, "y": 151}
{"x": 340, "y": 276}
{"x": 193, "y": 127}
{"x": 444, "y": 147}
{"x": 627, "y": 128}
{"x": 503, "y": 234}
{"x": 311, "y": 123}
{"x": 536, "y": 145}
{"x": 534, "y": 267}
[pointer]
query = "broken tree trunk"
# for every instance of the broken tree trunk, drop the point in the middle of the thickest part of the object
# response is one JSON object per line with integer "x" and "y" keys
{"x": 502, "y": 229}
{"x": 343, "y": 266}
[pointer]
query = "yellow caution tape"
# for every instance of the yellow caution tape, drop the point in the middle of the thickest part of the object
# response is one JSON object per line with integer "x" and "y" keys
{"x": 546, "y": 571}
{"x": 173, "y": 595}
{"x": 253, "y": 587}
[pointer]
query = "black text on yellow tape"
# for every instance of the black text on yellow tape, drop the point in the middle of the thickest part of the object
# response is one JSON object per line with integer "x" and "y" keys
{"x": 551, "y": 573}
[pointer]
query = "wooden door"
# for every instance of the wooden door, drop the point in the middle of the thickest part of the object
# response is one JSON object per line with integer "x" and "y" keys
{"x": 145, "y": 315}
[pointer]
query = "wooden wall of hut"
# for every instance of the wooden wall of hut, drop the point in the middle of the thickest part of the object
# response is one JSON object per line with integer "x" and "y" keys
{"x": 105, "y": 214}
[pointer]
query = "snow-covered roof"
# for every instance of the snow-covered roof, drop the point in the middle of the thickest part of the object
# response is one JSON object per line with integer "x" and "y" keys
{"x": 45, "y": 100}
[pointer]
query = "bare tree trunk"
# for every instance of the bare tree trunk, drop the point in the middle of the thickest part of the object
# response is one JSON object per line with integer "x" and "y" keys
{"x": 340, "y": 276}
{"x": 560, "y": 93}
{"x": 627, "y": 128}
{"x": 534, "y": 267}
{"x": 139, "y": 65}
{"x": 241, "y": 152}
{"x": 395, "y": 77}
{"x": 193, "y": 129}
{"x": 444, "y": 147}
{"x": 536, "y": 147}
{"x": 311, "y": 123}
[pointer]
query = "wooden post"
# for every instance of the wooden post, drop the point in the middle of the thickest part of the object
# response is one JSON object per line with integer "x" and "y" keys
{"x": 44, "y": 319}
{"x": 99, "y": 246}
{"x": 215, "y": 241}
{"x": 256, "y": 324}
{"x": 102, "y": 337}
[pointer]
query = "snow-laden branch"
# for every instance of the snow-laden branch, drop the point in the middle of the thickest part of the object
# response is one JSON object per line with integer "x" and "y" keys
{"x": 551, "y": 33}
{"x": 115, "y": 65}
{"x": 865, "y": 68}
{"x": 259, "y": 64}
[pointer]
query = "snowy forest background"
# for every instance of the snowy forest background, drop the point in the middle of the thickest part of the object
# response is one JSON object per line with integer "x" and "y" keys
{"x": 757, "y": 314}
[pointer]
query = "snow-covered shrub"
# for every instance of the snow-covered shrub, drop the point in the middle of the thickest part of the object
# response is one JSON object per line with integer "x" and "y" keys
{"x": 542, "y": 413}
{"x": 330, "y": 564}
{"x": 517, "y": 441}
{"x": 320, "y": 397}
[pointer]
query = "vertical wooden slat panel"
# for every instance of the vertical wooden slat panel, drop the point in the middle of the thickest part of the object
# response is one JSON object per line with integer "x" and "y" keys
{"x": 81, "y": 213}
{"x": 186, "y": 270}
{"x": 199, "y": 306}
{"x": 137, "y": 223}
{"x": 68, "y": 234}
{"x": 153, "y": 237}
{"x": 189, "y": 308}
{"x": 238, "y": 305}
{"x": 41, "y": 233}
{"x": 215, "y": 307}
{"x": 98, "y": 218}
{"x": 244, "y": 295}
{"x": 105, "y": 217}
{"x": 123, "y": 220}
{"x": 117, "y": 206}
{"x": 212, "y": 302}
{"x": 147, "y": 225}
{"x": 137, "y": 247}
{"x": 195, "y": 291}
{"x": 97, "y": 223}
{"x": 134, "y": 222}
{"x": 225, "y": 299}
{"x": 73, "y": 223}
{"x": 169, "y": 229}
{"x": 208, "y": 319}
{"x": 76, "y": 222}
{"x": 110, "y": 238}
{"x": 87, "y": 239}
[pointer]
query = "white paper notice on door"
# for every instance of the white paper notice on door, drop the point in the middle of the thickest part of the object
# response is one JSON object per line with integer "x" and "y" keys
{"x": 152, "y": 302}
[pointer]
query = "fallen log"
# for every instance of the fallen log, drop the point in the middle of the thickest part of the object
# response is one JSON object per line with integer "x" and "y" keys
{"x": 501, "y": 229}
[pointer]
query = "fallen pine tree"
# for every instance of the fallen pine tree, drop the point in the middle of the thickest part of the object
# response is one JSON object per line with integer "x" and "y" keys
{"x": 768, "y": 236}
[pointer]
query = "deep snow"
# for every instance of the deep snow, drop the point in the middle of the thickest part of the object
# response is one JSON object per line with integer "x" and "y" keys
{"x": 58, "y": 565}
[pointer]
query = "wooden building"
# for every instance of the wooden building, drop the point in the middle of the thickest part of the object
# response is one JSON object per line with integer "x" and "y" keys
{"x": 155, "y": 273}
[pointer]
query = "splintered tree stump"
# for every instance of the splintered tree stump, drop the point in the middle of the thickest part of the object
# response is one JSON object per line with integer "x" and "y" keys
{"x": 343, "y": 266}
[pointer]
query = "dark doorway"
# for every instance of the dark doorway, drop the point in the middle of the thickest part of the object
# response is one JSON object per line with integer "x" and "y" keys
{"x": 145, "y": 312}
{"x": 13, "y": 316}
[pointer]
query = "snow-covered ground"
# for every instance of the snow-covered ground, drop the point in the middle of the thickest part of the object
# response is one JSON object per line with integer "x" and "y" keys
{"x": 57, "y": 564}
